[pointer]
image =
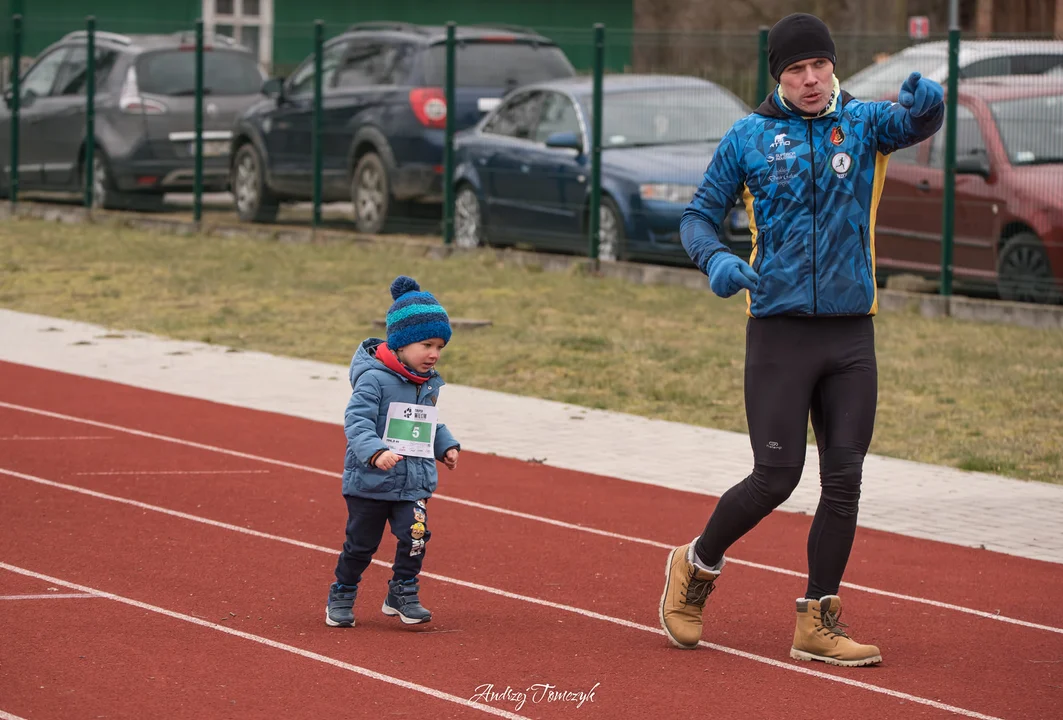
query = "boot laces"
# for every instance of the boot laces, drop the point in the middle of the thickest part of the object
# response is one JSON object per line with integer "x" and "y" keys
{"x": 698, "y": 590}
{"x": 832, "y": 625}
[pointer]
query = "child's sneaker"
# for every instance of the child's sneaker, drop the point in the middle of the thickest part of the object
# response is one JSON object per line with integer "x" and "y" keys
{"x": 340, "y": 609}
{"x": 402, "y": 600}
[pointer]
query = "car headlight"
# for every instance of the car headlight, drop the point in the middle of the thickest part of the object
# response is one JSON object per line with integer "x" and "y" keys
{"x": 668, "y": 192}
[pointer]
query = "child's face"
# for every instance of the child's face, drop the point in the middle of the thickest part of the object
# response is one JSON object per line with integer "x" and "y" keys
{"x": 421, "y": 356}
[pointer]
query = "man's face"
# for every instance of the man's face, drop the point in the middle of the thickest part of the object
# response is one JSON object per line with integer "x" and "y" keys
{"x": 808, "y": 84}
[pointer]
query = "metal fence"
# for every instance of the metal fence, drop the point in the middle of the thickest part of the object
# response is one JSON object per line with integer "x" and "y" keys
{"x": 602, "y": 164}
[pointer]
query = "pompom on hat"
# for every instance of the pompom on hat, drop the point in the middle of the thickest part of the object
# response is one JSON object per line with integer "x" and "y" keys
{"x": 415, "y": 315}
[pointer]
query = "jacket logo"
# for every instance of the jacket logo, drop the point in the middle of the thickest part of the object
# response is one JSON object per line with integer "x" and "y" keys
{"x": 837, "y": 136}
{"x": 841, "y": 163}
{"x": 780, "y": 141}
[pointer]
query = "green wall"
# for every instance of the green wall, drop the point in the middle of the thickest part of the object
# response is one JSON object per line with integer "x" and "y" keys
{"x": 568, "y": 22}
{"x": 45, "y": 21}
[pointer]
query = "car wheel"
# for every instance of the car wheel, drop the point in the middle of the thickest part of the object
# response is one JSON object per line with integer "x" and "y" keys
{"x": 468, "y": 219}
{"x": 370, "y": 194}
{"x": 611, "y": 246}
{"x": 1024, "y": 273}
{"x": 254, "y": 202}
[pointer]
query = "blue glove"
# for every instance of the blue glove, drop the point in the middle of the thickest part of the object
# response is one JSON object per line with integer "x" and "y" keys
{"x": 919, "y": 95}
{"x": 728, "y": 274}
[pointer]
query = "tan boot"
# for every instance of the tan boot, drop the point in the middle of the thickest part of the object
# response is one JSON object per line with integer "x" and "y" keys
{"x": 819, "y": 635}
{"x": 686, "y": 588}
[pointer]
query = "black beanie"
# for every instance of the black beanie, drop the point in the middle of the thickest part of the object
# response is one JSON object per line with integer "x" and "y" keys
{"x": 798, "y": 37}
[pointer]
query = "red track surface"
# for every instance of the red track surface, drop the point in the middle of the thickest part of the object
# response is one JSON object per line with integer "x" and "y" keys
{"x": 517, "y": 600}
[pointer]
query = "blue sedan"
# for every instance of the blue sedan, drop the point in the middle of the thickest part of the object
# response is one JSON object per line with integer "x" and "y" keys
{"x": 522, "y": 174}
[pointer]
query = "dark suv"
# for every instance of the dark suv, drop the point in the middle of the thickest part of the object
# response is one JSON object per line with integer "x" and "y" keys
{"x": 145, "y": 104}
{"x": 384, "y": 115}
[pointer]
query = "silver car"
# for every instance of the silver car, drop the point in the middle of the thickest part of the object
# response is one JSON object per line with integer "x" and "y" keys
{"x": 978, "y": 58}
{"x": 145, "y": 116}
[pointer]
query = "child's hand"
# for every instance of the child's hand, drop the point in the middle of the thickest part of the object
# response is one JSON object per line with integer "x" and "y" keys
{"x": 451, "y": 458}
{"x": 387, "y": 460}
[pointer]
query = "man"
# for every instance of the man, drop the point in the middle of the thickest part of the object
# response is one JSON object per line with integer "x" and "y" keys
{"x": 809, "y": 165}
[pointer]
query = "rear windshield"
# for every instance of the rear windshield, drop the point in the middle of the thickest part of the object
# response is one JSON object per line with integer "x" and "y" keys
{"x": 497, "y": 64}
{"x": 172, "y": 72}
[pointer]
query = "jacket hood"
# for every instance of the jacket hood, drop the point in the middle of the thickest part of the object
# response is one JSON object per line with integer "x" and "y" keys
{"x": 364, "y": 359}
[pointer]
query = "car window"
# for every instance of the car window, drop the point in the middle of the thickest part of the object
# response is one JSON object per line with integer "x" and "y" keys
{"x": 367, "y": 65}
{"x": 71, "y": 76}
{"x": 497, "y": 64}
{"x": 668, "y": 116}
{"x": 517, "y": 117}
{"x": 905, "y": 156}
{"x": 558, "y": 115}
{"x": 987, "y": 67}
{"x": 172, "y": 72}
{"x": 1035, "y": 64}
{"x": 1031, "y": 129}
{"x": 41, "y": 77}
{"x": 302, "y": 80}
{"x": 969, "y": 140}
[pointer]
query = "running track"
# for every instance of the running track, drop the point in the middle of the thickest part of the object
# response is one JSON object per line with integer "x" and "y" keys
{"x": 162, "y": 556}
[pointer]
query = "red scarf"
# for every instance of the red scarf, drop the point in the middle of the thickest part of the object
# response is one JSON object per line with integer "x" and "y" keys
{"x": 386, "y": 356}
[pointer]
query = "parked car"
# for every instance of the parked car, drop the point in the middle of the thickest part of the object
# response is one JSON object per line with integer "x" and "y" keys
{"x": 523, "y": 173}
{"x": 384, "y": 116}
{"x": 145, "y": 104}
{"x": 978, "y": 58}
{"x": 1009, "y": 193}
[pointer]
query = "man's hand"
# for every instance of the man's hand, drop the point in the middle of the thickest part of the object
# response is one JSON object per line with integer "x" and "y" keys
{"x": 728, "y": 274}
{"x": 387, "y": 460}
{"x": 450, "y": 459}
{"x": 920, "y": 95}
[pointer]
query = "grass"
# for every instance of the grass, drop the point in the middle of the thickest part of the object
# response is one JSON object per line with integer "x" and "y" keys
{"x": 974, "y": 396}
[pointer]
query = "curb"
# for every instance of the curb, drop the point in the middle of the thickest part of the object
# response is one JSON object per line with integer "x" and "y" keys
{"x": 1048, "y": 317}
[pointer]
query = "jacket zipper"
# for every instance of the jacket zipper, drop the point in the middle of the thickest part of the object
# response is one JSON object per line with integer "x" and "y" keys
{"x": 865, "y": 250}
{"x": 812, "y": 156}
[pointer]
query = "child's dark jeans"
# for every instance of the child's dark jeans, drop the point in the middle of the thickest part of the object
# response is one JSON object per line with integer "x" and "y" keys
{"x": 365, "y": 529}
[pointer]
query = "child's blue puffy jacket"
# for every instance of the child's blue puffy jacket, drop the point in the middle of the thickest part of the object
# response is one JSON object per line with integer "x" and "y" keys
{"x": 811, "y": 187}
{"x": 374, "y": 387}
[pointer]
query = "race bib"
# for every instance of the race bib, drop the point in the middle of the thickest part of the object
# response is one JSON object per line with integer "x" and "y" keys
{"x": 411, "y": 429}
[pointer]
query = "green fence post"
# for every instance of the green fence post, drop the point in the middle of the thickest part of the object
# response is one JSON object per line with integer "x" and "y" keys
{"x": 16, "y": 103}
{"x": 90, "y": 111}
{"x": 448, "y": 147}
{"x": 596, "y": 141}
{"x": 949, "y": 205}
{"x": 319, "y": 40}
{"x": 762, "y": 66}
{"x": 197, "y": 183}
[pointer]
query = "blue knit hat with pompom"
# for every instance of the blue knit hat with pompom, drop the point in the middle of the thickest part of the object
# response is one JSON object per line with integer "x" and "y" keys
{"x": 415, "y": 315}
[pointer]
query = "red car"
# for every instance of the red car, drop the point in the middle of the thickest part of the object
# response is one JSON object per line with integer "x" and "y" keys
{"x": 1009, "y": 193}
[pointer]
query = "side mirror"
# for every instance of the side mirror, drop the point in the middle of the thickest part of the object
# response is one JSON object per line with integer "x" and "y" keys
{"x": 273, "y": 88}
{"x": 569, "y": 140}
{"x": 9, "y": 96}
{"x": 973, "y": 164}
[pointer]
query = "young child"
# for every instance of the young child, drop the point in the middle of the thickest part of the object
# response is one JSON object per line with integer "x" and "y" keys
{"x": 380, "y": 485}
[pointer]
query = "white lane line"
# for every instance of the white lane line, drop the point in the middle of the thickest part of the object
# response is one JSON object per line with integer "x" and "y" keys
{"x": 177, "y": 472}
{"x": 506, "y": 594}
{"x": 438, "y": 694}
{"x": 56, "y": 437}
{"x": 49, "y": 596}
{"x": 9, "y": 716}
{"x": 540, "y": 519}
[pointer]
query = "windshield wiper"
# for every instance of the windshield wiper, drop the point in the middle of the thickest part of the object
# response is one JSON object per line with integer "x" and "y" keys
{"x": 185, "y": 93}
